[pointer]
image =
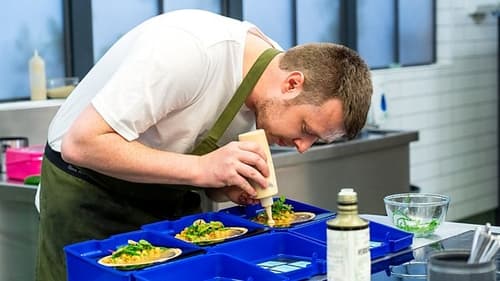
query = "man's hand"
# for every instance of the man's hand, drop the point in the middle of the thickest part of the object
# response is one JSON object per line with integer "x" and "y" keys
{"x": 238, "y": 196}
{"x": 230, "y": 193}
{"x": 234, "y": 165}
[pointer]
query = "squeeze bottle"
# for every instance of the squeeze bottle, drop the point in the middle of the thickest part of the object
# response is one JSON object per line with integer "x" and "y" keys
{"x": 264, "y": 194}
{"x": 348, "y": 241}
{"x": 38, "y": 82}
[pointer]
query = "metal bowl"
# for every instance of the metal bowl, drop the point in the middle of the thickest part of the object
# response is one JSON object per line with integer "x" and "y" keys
{"x": 418, "y": 213}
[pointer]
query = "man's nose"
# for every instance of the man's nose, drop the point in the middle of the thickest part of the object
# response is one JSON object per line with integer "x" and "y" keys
{"x": 303, "y": 144}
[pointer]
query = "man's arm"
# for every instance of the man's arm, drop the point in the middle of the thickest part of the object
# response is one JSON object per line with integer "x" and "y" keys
{"x": 92, "y": 143}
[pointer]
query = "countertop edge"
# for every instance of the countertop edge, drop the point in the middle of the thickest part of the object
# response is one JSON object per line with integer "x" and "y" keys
{"x": 338, "y": 150}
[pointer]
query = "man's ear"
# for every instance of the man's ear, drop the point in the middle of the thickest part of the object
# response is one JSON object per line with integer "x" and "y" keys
{"x": 293, "y": 83}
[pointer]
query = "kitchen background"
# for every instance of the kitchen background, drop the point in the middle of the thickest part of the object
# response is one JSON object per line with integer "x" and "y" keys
{"x": 452, "y": 103}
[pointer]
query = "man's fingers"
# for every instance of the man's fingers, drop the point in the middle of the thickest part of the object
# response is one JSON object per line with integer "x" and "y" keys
{"x": 250, "y": 174}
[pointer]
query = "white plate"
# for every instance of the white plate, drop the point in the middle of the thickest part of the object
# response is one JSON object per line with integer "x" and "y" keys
{"x": 235, "y": 232}
{"x": 299, "y": 217}
{"x": 169, "y": 253}
{"x": 303, "y": 217}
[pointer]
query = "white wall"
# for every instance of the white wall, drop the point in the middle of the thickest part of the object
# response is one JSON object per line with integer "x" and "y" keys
{"x": 453, "y": 104}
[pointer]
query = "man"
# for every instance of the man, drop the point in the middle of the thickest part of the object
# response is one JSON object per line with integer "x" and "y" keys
{"x": 130, "y": 144}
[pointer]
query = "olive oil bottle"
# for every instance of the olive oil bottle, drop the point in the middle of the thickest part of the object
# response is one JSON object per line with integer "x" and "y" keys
{"x": 348, "y": 241}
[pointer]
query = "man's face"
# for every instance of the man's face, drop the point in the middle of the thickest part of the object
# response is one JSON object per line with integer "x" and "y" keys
{"x": 300, "y": 125}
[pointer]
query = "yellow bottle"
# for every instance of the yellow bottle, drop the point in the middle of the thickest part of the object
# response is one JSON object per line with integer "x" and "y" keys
{"x": 38, "y": 82}
{"x": 264, "y": 194}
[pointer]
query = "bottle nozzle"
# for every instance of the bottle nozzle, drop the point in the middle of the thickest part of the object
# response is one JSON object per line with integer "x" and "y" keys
{"x": 267, "y": 203}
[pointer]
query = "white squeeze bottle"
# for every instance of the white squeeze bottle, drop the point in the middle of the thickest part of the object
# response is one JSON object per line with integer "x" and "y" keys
{"x": 38, "y": 84}
{"x": 264, "y": 194}
{"x": 348, "y": 241}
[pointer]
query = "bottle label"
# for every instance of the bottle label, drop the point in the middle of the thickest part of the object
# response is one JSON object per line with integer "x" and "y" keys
{"x": 348, "y": 255}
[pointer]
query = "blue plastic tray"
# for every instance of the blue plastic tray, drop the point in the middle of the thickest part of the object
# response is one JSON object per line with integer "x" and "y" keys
{"x": 293, "y": 253}
{"x": 388, "y": 264}
{"x": 383, "y": 239}
{"x": 173, "y": 227}
{"x": 283, "y": 253}
{"x": 81, "y": 258}
{"x": 249, "y": 212}
{"x": 210, "y": 267}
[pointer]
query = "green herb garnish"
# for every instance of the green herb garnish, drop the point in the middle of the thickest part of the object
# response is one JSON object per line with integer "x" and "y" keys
{"x": 200, "y": 228}
{"x": 415, "y": 226}
{"x": 132, "y": 248}
{"x": 135, "y": 255}
{"x": 279, "y": 207}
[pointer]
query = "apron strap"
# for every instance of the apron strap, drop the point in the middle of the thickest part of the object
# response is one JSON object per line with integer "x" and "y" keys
{"x": 209, "y": 143}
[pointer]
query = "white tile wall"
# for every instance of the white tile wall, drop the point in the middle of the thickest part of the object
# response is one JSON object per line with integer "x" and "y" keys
{"x": 453, "y": 104}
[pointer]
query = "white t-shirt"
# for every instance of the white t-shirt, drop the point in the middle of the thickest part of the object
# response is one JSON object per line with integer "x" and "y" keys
{"x": 166, "y": 81}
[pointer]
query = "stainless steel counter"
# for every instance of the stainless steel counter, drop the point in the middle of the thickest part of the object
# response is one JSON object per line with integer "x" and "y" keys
{"x": 367, "y": 141}
{"x": 18, "y": 230}
{"x": 375, "y": 164}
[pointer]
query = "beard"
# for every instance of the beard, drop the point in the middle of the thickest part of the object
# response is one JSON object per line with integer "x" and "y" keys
{"x": 265, "y": 112}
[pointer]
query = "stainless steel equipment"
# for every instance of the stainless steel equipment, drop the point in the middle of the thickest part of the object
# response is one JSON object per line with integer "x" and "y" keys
{"x": 18, "y": 231}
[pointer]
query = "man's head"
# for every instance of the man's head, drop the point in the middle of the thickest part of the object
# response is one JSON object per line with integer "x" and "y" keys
{"x": 312, "y": 92}
{"x": 332, "y": 71}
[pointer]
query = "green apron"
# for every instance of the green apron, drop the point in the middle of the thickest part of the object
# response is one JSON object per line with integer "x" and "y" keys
{"x": 78, "y": 204}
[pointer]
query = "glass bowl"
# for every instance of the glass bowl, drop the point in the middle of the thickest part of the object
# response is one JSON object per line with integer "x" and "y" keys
{"x": 59, "y": 88}
{"x": 418, "y": 213}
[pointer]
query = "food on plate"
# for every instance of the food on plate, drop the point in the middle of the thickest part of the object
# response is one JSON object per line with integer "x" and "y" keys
{"x": 283, "y": 214}
{"x": 139, "y": 253}
{"x": 209, "y": 232}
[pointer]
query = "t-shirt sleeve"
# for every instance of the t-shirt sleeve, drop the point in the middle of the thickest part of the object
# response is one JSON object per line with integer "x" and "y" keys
{"x": 161, "y": 72}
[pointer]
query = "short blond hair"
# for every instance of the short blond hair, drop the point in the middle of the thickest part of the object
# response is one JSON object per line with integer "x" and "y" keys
{"x": 333, "y": 71}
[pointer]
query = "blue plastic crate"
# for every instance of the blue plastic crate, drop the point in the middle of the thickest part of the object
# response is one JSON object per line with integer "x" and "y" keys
{"x": 389, "y": 264}
{"x": 250, "y": 211}
{"x": 383, "y": 239}
{"x": 395, "y": 239}
{"x": 173, "y": 227}
{"x": 283, "y": 253}
{"x": 210, "y": 267}
{"x": 82, "y": 257}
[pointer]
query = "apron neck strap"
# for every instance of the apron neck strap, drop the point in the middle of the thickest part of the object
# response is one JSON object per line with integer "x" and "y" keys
{"x": 209, "y": 143}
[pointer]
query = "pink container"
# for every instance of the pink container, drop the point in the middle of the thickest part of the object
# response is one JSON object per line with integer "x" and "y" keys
{"x": 24, "y": 161}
